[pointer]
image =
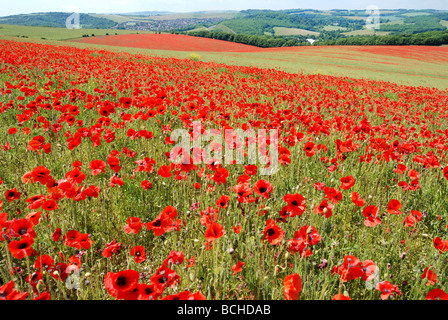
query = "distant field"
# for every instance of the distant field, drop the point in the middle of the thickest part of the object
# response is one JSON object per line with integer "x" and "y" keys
{"x": 354, "y": 17}
{"x": 114, "y": 17}
{"x": 415, "y": 14}
{"x": 211, "y": 14}
{"x": 168, "y": 42}
{"x": 280, "y": 31}
{"x": 221, "y": 27}
{"x": 444, "y": 23}
{"x": 365, "y": 32}
{"x": 332, "y": 28}
{"x": 57, "y": 33}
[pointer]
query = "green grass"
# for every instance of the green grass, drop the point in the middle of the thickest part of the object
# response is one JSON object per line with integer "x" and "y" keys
{"x": 365, "y": 32}
{"x": 281, "y": 31}
{"x": 333, "y": 28}
{"x": 57, "y": 33}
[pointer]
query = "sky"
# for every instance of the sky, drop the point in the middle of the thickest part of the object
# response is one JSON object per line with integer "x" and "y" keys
{"x": 8, "y": 7}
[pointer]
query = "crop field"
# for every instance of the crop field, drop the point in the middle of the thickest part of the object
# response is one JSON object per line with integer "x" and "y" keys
{"x": 409, "y": 65}
{"x": 172, "y": 42}
{"x": 285, "y": 186}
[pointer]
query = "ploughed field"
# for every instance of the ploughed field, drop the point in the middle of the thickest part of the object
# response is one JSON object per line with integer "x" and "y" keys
{"x": 95, "y": 205}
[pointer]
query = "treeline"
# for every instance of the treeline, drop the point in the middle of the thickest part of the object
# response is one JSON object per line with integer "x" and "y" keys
{"x": 262, "y": 41}
{"x": 415, "y": 24}
{"x": 431, "y": 38}
{"x": 258, "y": 22}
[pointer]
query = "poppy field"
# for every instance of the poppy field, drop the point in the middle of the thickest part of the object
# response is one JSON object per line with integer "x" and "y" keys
{"x": 94, "y": 205}
{"x": 409, "y": 65}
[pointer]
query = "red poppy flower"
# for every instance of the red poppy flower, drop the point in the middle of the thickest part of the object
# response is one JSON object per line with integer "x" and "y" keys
{"x": 220, "y": 175}
{"x": 409, "y": 221}
{"x": 121, "y": 282}
{"x": 369, "y": 268}
{"x": 72, "y": 239}
{"x": 333, "y": 195}
{"x": 243, "y": 191}
{"x": 273, "y": 233}
{"x": 296, "y": 204}
{"x": 133, "y": 225}
{"x": 161, "y": 224}
{"x": 351, "y": 269}
{"x": 146, "y": 184}
{"x": 238, "y": 267}
{"x": 324, "y": 209}
{"x": 138, "y": 252}
{"x": 340, "y": 296}
{"x": 393, "y": 207}
{"x": 12, "y": 194}
{"x": 21, "y": 248}
{"x": 440, "y": 245}
{"x": 49, "y": 205}
{"x": 147, "y": 292}
{"x": 292, "y": 286}
{"x": 304, "y": 238}
{"x": 115, "y": 180}
{"x": 40, "y": 174}
{"x": 222, "y": 202}
{"x": 164, "y": 171}
{"x": 263, "y": 187}
{"x": 57, "y": 234}
{"x": 237, "y": 229}
{"x": 319, "y": 186}
{"x": 43, "y": 296}
{"x": 250, "y": 170}
{"x": 437, "y": 294}
{"x": 310, "y": 149}
{"x": 357, "y": 200}
{"x": 34, "y": 217}
{"x": 387, "y": 289}
{"x": 445, "y": 172}
{"x": 43, "y": 262}
{"x": 432, "y": 277}
{"x": 22, "y": 228}
{"x": 401, "y": 168}
{"x": 165, "y": 277}
{"x": 371, "y": 213}
{"x": 347, "y": 182}
{"x": 8, "y": 292}
{"x": 214, "y": 231}
{"x": 413, "y": 174}
{"x": 111, "y": 247}
{"x": 174, "y": 258}
{"x": 97, "y": 166}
